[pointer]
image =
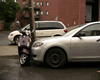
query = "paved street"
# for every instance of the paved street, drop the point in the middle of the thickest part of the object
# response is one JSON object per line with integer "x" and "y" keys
{"x": 10, "y": 68}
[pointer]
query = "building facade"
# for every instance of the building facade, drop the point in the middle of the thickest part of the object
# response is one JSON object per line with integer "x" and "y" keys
{"x": 70, "y": 12}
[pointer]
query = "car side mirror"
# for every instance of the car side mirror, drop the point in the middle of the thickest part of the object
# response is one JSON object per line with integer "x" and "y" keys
{"x": 80, "y": 34}
{"x": 17, "y": 22}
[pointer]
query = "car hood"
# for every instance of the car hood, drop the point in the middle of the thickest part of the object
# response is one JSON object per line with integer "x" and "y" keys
{"x": 51, "y": 39}
{"x": 16, "y": 31}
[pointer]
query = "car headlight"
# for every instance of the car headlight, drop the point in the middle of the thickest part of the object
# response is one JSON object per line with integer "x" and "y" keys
{"x": 37, "y": 44}
{"x": 11, "y": 34}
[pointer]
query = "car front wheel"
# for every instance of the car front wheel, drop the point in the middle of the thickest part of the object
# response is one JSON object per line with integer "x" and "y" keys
{"x": 55, "y": 58}
{"x": 16, "y": 39}
{"x": 24, "y": 59}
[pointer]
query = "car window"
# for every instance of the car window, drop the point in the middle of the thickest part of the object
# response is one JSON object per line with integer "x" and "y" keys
{"x": 92, "y": 30}
{"x": 50, "y": 25}
{"x": 45, "y": 26}
{"x": 57, "y": 26}
{"x": 28, "y": 27}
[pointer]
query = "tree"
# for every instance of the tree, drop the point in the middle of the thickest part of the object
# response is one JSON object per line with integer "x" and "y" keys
{"x": 8, "y": 12}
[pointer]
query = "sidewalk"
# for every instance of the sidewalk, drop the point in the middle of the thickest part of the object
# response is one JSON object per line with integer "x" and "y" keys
{"x": 8, "y": 50}
{"x": 5, "y": 32}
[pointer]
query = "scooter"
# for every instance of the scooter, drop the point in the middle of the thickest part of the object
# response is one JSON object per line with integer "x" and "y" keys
{"x": 24, "y": 47}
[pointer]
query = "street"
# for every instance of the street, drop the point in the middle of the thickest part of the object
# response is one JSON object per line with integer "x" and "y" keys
{"x": 10, "y": 68}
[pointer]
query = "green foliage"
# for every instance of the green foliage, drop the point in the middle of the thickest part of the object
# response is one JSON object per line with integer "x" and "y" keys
{"x": 8, "y": 10}
{"x": 7, "y": 26}
{"x": 24, "y": 0}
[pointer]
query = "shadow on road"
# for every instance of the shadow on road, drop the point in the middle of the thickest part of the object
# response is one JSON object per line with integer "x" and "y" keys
{"x": 12, "y": 44}
{"x": 75, "y": 65}
{"x": 9, "y": 57}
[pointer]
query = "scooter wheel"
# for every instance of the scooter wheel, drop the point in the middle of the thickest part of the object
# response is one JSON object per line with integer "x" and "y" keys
{"x": 24, "y": 59}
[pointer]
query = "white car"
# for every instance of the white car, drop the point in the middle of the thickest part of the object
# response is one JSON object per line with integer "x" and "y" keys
{"x": 43, "y": 29}
{"x": 79, "y": 45}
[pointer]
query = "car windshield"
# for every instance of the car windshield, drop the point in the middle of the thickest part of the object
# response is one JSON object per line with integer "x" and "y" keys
{"x": 28, "y": 27}
{"x": 72, "y": 31}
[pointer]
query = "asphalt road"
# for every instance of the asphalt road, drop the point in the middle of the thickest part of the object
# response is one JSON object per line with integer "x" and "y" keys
{"x": 10, "y": 68}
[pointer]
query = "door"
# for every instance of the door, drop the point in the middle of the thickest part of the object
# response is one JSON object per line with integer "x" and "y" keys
{"x": 49, "y": 29}
{"x": 45, "y": 29}
{"x": 92, "y": 10}
{"x": 86, "y": 47}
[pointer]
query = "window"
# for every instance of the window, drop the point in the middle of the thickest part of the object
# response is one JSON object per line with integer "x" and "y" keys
{"x": 41, "y": 3}
{"x": 33, "y": 2}
{"x": 46, "y": 13}
{"x": 37, "y": 3}
{"x": 58, "y": 26}
{"x": 24, "y": 12}
{"x": 23, "y": 2}
{"x": 28, "y": 26}
{"x": 45, "y": 26}
{"x": 41, "y": 12}
{"x": 50, "y": 25}
{"x": 47, "y": 3}
{"x": 92, "y": 30}
{"x": 37, "y": 12}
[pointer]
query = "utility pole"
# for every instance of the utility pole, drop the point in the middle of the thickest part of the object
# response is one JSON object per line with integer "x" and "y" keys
{"x": 32, "y": 20}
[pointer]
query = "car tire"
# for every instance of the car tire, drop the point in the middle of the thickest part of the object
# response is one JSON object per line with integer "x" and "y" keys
{"x": 56, "y": 35}
{"x": 55, "y": 58}
{"x": 16, "y": 39}
{"x": 24, "y": 59}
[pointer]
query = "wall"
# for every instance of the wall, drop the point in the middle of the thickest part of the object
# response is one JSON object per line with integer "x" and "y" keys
{"x": 18, "y": 15}
{"x": 52, "y": 9}
{"x": 71, "y": 12}
{"x": 82, "y": 9}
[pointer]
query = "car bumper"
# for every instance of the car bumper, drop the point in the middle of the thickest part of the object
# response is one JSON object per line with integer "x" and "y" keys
{"x": 38, "y": 53}
{"x": 10, "y": 38}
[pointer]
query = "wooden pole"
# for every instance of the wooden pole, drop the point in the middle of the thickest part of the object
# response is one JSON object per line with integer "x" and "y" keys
{"x": 32, "y": 20}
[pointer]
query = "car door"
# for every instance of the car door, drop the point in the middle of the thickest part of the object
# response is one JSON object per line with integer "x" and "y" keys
{"x": 45, "y": 29}
{"x": 58, "y": 29}
{"x": 87, "y": 47}
{"x": 49, "y": 29}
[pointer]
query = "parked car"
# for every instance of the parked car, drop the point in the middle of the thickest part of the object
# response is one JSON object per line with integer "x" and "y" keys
{"x": 79, "y": 45}
{"x": 43, "y": 29}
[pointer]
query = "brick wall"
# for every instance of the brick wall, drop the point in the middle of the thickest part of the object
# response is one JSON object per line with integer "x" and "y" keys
{"x": 71, "y": 12}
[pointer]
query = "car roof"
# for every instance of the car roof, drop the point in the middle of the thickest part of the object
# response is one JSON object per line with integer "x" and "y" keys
{"x": 94, "y": 22}
{"x": 48, "y": 21}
